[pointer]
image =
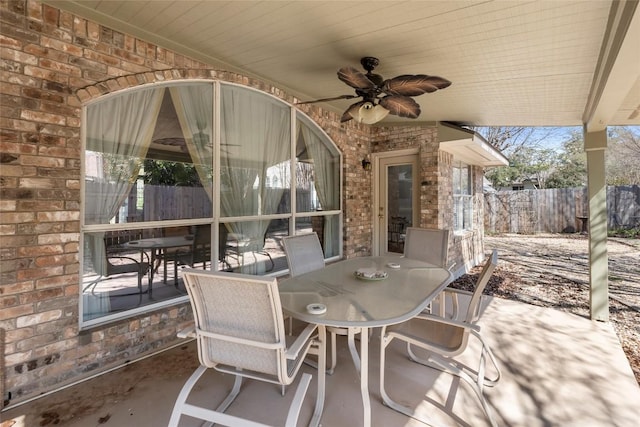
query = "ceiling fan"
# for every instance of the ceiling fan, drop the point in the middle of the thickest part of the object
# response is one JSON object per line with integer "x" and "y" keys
{"x": 381, "y": 97}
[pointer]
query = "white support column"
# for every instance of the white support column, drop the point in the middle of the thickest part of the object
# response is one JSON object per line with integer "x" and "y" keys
{"x": 595, "y": 144}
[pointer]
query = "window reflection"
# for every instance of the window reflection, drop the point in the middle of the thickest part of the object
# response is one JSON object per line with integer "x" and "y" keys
{"x": 327, "y": 229}
{"x": 151, "y": 164}
{"x": 254, "y": 247}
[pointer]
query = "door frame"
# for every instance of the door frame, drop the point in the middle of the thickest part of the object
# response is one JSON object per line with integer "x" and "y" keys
{"x": 379, "y": 192}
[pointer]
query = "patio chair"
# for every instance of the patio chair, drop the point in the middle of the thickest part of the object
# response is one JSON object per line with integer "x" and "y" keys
{"x": 113, "y": 261}
{"x": 253, "y": 245}
{"x": 428, "y": 245}
{"x": 432, "y": 246}
{"x": 304, "y": 254}
{"x": 239, "y": 329}
{"x": 199, "y": 252}
{"x": 166, "y": 255}
{"x": 396, "y": 233}
{"x": 444, "y": 339}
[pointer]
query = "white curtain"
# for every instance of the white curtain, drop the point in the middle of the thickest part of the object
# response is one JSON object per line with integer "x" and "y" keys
{"x": 255, "y": 136}
{"x": 325, "y": 181}
{"x": 194, "y": 107}
{"x": 119, "y": 132}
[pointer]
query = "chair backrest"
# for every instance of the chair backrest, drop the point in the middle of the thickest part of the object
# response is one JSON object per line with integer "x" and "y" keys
{"x": 238, "y": 320}
{"x": 175, "y": 231}
{"x": 201, "y": 247}
{"x": 473, "y": 312}
{"x": 428, "y": 245}
{"x": 223, "y": 237}
{"x": 304, "y": 253}
{"x": 202, "y": 234}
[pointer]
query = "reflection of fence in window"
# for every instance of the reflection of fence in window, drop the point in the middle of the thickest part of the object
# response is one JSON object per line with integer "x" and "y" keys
{"x": 166, "y": 202}
{"x": 462, "y": 212}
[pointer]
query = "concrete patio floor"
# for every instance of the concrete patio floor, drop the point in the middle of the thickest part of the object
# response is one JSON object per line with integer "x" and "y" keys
{"x": 558, "y": 369}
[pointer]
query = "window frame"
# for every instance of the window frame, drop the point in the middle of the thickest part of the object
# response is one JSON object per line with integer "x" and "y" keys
{"x": 463, "y": 209}
{"x": 215, "y": 219}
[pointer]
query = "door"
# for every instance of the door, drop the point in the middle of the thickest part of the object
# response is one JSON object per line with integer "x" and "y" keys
{"x": 397, "y": 199}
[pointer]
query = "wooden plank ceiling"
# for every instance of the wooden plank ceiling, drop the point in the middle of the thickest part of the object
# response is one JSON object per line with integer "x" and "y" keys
{"x": 517, "y": 63}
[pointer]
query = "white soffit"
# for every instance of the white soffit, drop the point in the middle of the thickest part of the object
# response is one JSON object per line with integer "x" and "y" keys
{"x": 469, "y": 146}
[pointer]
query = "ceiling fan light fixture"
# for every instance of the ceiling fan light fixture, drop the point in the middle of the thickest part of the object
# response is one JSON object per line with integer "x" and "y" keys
{"x": 369, "y": 113}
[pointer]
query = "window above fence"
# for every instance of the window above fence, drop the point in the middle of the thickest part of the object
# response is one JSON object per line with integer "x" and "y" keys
{"x": 163, "y": 164}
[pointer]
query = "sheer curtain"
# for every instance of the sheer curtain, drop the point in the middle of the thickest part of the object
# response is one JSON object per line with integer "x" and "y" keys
{"x": 194, "y": 107}
{"x": 325, "y": 181}
{"x": 255, "y": 136}
{"x": 119, "y": 133}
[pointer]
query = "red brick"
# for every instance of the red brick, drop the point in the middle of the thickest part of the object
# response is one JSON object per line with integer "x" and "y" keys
{"x": 17, "y": 311}
{"x": 59, "y": 280}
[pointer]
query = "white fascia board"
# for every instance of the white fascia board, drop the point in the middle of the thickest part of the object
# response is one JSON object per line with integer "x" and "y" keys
{"x": 469, "y": 146}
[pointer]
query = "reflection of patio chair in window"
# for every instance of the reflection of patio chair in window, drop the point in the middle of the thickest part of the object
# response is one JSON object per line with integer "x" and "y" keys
{"x": 112, "y": 261}
{"x": 240, "y": 331}
{"x": 253, "y": 245}
{"x": 168, "y": 254}
{"x": 223, "y": 237}
{"x": 442, "y": 340}
{"x": 396, "y": 233}
{"x": 199, "y": 252}
{"x": 304, "y": 254}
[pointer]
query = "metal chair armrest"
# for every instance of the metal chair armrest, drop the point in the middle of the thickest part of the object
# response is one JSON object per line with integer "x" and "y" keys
{"x": 189, "y": 332}
{"x": 444, "y": 320}
{"x": 300, "y": 342}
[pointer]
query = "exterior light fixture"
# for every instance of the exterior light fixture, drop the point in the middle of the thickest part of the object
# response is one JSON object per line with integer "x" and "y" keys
{"x": 366, "y": 164}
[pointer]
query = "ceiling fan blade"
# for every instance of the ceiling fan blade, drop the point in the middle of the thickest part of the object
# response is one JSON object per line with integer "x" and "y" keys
{"x": 328, "y": 99}
{"x": 414, "y": 85}
{"x": 355, "y": 78}
{"x": 347, "y": 115}
{"x": 402, "y": 106}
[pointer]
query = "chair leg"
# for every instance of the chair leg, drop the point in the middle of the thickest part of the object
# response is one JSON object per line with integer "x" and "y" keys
{"x": 140, "y": 273}
{"x": 476, "y": 380}
{"x": 298, "y": 399}
{"x": 435, "y": 362}
{"x": 445, "y": 365}
{"x": 386, "y": 399}
{"x": 270, "y": 260}
{"x": 178, "y": 408}
{"x": 231, "y": 396}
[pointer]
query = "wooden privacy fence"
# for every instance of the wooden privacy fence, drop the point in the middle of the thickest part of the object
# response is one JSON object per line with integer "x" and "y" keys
{"x": 168, "y": 202}
{"x": 557, "y": 210}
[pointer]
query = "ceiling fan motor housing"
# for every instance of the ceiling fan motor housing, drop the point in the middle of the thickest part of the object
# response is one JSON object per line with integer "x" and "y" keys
{"x": 369, "y": 63}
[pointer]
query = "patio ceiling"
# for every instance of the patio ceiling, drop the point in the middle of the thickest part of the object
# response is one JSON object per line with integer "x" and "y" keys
{"x": 512, "y": 63}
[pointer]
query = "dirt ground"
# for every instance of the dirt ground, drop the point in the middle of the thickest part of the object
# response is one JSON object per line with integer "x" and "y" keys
{"x": 552, "y": 270}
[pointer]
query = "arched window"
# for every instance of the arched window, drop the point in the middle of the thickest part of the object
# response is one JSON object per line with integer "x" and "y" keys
{"x": 176, "y": 175}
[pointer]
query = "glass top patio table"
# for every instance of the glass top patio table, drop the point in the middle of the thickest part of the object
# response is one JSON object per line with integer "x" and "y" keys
{"x": 159, "y": 243}
{"x": 360, "y": 303}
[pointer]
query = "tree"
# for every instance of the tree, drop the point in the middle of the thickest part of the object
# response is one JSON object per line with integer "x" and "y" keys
{"x": 526, "y": 151}
{"x": 162, "y": 172}
{"x": 571, "y": 167}
{"x": 527, "y": 163}
{"x": 623, "y": 156}
{"x": 510, "y": 139}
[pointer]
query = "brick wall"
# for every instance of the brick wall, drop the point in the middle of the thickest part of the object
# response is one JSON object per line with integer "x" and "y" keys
{"x": 436, "y": 190}
{"x": 51, "y": 62}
